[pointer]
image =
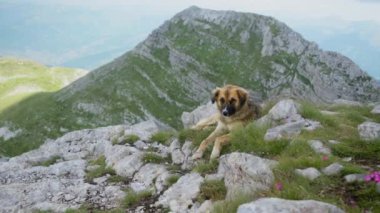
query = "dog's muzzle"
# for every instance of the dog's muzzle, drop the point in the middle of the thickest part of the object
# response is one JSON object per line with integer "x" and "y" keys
{"x": 228, "y": 111}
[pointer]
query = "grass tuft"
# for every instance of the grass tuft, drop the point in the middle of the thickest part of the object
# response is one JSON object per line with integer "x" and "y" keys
{"x": 48, "y": 162}
{"x": 100, "y": 171}
{"x": 133, "y": 198}
{"x": 212, "y": 190}
{"x": 150, "y": 157}
{"x": 162, "y": 137}
{"x": 172, "y": 180}
{"x": 207, "y": 167}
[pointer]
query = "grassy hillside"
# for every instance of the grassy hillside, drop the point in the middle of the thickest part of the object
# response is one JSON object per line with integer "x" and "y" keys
{"x": 21, "y": 78}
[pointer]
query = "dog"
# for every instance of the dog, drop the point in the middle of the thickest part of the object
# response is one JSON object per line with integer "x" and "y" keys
{"x": 235, "y": 109}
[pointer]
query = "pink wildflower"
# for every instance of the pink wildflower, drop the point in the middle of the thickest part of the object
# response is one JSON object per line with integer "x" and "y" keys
{"x": 325, "y": 157}
{"x": 279, "y": 186}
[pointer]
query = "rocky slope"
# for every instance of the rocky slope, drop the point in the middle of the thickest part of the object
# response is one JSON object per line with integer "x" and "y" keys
{"x": 100, "y": 169}
{"x": 177, "y": 66}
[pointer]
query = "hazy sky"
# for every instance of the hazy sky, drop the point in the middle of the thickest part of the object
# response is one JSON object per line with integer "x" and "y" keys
{"x": 351, "y": 27}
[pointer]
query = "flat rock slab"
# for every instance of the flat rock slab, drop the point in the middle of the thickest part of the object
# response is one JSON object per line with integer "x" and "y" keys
{"x": 179, "y": 197}
{"x": 309, "y": 173}
{"x": 245, "y": 173}
{"x": 376, "y": 109}
{"x": 275, "y": 205}
{"x": 369, "y": 130}
{"x": 319, "y": 147}
{"x": 332, "y": 169}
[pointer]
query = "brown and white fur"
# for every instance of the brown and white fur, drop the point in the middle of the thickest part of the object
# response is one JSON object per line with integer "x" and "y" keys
{"x": 235, "y": 110}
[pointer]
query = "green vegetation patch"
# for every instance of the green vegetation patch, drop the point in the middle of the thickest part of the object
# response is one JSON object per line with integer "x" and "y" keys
{"x": 132, "y": 198}
{"x": 172, "y": 180}
{"x": 162, "y": 137}
{"x": 212, "y": 190}
{"x": 100, "y": 171}
{"x": 150, "y": 157}
{"x": 207, "y": 167}
{"x": 48, "y": 162}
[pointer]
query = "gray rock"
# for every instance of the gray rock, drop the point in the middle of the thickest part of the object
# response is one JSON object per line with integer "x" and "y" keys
{"x": 347, "y": 159}
{"x": 287, "y": 130}
{"x": 205, "y": 207}
{"x": 376, "y": 109}
{"x": 318, "y": 147}
{"x": 141, "y": 145}
{"x": 369, "y": 130}
{"x": 127, "y": 166}
{"x": 274, "y": 205}
{"x": 354, "y": 178}
{"x": 144, "y": 178}
{"x": 181, "y": 194}
{"x": 334, "y": 142}
{"x": 332, "y": 169}
{"x": 178, "y": 157}
{"x": 7, "y": 134}
{"x": 347, "y": 102}
{"x": 309, "y": 173}
{"x": 216, "y": 176}
{"x": 145, "y": 129}
{"x": 245, "y": 173}
{"x": 325, "y": 112}
{"x": 187, "y": 150}
{"x": 189, "y": 119}
{"x": 284, "y": 109}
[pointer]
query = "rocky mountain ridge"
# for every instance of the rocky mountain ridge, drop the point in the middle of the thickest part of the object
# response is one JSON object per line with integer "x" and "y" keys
{"x": 146, "y": 163}
{"x": 177, "y": 66}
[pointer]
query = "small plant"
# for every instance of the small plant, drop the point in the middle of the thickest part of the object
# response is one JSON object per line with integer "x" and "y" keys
{"x": 100, "y": 171}
{"x": 172, "y": 180}
{"x": 231, "y": 205}
{"x": 213, "y": 189}
{"x": 162, "y": 137}
{"x": 130, "y": 139}
{"x": 116, "y": 179}
{"x": 374, "y": 176}
{"x": 207, "y": 167}
{"x": 150, "y": 157}
{"x": 195, "y": 136}
{"x": 48, "y": 162}
{"x": 133, "y": 198}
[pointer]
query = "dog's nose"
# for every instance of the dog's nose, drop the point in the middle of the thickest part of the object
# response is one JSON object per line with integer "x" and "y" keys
{"x": 225, "y": 112}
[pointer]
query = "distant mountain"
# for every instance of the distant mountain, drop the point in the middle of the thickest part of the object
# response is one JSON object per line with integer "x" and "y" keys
{"x": 22, "y": 78}
{"x": 178, "y": 65}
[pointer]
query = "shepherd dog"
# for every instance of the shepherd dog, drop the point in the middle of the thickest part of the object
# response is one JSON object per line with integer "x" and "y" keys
{"x": 235, "y": 109}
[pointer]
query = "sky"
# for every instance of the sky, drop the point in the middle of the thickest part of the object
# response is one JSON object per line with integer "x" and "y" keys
{"x": 89, "y": 33}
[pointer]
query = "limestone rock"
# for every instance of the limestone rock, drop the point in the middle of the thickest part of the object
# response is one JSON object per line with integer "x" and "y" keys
{"x": 376, "y": 109}
{"x": 274, "y": 205}
{"x": 347, "y": 102}
{"x": 191, "y": 118}
{"x": 245, "y": 173}
{"x": 179, "y": 197}
{"x": 144, "y": 178}
{"x": 309, "y": 173}
{"x": 354, "y": 178}
{"x": 369, "y": 130}
{"x": 319, "y": 147}
{"x": 333, "y": 169}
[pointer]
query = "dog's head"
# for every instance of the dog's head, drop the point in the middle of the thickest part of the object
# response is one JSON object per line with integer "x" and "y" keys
{"x": 229, "y": 99}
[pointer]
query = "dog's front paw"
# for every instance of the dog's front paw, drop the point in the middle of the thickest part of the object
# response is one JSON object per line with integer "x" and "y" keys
{"x": 197, "y": 155}
{"x": 214, "y": 154}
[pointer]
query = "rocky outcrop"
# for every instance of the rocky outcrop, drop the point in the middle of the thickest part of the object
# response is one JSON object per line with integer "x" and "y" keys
{"x": 245, "y": 173}
{"x": 274, "y": 205}
{"x": 189, "y": 119}
{"x": 369, "y": 130}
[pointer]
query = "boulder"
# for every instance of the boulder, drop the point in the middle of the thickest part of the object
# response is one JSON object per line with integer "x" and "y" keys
{"x": 179, "y": 197}
{"x": 275, "y": 205}
{"x": 144, "y": 178}
{"x": 319, "y": 147}
{"x": 354, "y": 178}
{"x": 339, "y": 102}
{"x": 369, "y": 130}
{"x": 245, "y": 173}
{"x": 309, "y": 173}
{"x": 332, "y": 169}
{"x": 376, "y": 109}
{"x": 189, "y": 119}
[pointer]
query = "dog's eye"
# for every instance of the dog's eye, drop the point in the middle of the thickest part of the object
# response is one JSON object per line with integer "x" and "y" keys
{"x": 232, "y": 101}
{"x": 221, "y": 100}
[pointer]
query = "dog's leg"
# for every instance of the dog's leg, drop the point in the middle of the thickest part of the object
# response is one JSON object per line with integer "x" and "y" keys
{"x": 211, "y": 138}
{"x": 219, "y": 143}
{"x": 206, "y": 122}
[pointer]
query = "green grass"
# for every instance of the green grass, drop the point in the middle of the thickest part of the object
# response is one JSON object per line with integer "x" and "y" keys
{"x": 133, "y": 198}
{"x": 100, "y": 171}
{"x": 150, "y": 157}
{"x": 231, "y": 205}
{"x": 48, "y": 162}
{"x": 195, "y": 136}
{"x": 251, "y": 139}
{"x": 310, "y": 111}
{"x": 172, "y": 180}
{"x": 212, "y": 190}
{"x": 130, "y": 139}
{"x": 207, "y": 167}
{"x": 162, "y": 137}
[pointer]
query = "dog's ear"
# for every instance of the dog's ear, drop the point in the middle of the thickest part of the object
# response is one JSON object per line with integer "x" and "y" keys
{"x": 243, "y": 96}
{"x": 215, "y": 94}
